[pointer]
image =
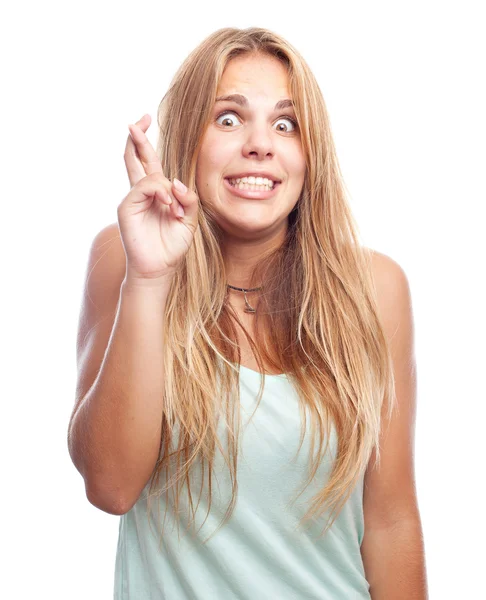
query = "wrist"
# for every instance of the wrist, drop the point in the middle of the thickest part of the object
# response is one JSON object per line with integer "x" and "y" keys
{"x": 140, "y": 284}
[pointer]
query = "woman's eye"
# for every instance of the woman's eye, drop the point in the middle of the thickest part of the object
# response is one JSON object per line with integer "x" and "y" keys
{"x": 294, "y": 124}
{"x": 233, "y": 116}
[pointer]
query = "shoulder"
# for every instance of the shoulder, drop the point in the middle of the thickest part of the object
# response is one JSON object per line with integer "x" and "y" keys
{"x": 108, "y": 238}
{"x": 392, "y": 291}
{"x": 106, "y": 267}
{"x": 386, "y": 270}
{"x": 107, "y": 251}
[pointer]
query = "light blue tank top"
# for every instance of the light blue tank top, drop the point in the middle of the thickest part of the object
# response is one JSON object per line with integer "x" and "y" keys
{"x": 259, "y": 554}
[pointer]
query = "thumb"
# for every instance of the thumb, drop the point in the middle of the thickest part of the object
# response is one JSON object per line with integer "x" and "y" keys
{"x": 188, "y": 199}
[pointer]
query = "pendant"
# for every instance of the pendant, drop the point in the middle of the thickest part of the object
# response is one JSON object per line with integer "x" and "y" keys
{"x": 248, "y": 308}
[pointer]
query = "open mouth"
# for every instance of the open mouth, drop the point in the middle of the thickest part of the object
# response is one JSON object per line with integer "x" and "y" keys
{"x": 256, "y": 187}
{"x": 258, "y": 191}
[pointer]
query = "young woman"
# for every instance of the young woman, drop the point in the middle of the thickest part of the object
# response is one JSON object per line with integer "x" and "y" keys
{"x": 246, "y": 367}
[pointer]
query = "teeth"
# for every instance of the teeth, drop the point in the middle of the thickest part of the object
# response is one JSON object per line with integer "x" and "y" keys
{"x": 254, "y": 187}
{"x": 252, "y": 183}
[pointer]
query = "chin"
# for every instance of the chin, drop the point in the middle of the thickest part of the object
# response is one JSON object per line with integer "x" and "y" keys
{"x": 238, "y": 224}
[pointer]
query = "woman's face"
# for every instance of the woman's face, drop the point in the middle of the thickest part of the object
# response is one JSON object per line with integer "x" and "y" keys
{"x": 256, "y": 137}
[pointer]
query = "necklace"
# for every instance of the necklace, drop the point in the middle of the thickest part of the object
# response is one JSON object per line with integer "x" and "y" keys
{"x": 248, "y": 308}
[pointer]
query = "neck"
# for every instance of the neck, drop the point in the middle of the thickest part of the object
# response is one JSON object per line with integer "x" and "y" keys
{"x": 241, "y": 256}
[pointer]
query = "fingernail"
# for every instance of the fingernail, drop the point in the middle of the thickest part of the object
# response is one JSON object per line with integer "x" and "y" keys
{"x": 180, "y": 186}
{"x": 180, "y": 211}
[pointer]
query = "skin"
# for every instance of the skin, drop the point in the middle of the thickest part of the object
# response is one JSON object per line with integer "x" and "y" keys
{"x": 243, "y": 140}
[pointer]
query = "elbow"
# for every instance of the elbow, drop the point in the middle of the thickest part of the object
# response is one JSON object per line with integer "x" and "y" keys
{"x": 110, "y": 503}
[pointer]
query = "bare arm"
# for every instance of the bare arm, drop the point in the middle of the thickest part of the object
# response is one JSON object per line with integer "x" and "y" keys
{"x": 114, "y": 433}
{"x": 393, "y": 547}
{"x": 115, "y": 429}
{"x": 394, "y": 561}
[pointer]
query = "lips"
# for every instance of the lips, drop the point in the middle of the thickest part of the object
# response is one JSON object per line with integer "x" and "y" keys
{"x": 251, "y": 194}
{"x": 259, "y": 174}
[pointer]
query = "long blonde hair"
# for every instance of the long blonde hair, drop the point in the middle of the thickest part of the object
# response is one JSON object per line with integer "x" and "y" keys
{"x": 318, "y": 301}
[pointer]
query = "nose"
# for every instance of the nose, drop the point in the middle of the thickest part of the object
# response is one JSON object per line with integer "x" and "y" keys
{"x": 259, "y": 142}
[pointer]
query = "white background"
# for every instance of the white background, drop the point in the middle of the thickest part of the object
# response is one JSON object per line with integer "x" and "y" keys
{"x": 404, "y": 86}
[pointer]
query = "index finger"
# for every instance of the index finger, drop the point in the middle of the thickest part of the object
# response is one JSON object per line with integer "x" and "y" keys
{"x": 140, "y": 157}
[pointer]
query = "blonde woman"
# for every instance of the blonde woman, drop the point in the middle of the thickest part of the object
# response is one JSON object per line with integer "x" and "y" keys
{"x": 246, "y": 391}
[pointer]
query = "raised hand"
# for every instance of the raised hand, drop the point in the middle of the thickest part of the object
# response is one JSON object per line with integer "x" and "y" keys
{"x": 157, "y": 221}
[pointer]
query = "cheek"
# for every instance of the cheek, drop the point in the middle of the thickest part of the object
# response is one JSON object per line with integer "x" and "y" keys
{"x": 212, "y": 164}
{"x": 213, "y": 147}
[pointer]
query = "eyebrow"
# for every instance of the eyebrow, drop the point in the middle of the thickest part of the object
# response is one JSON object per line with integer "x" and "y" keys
{"x": 242, "y": 101}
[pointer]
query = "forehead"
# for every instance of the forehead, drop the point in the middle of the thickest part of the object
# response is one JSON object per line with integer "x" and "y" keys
{"x": 259, "y": 78}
